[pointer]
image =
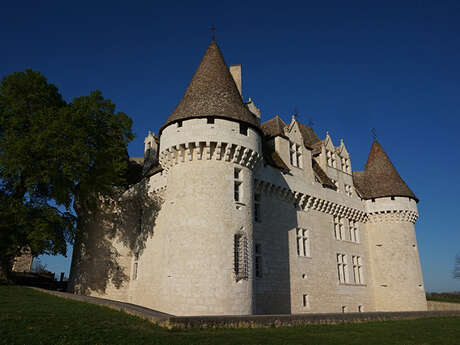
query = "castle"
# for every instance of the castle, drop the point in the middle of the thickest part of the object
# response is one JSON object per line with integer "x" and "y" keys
{"x": 252, "y": 218}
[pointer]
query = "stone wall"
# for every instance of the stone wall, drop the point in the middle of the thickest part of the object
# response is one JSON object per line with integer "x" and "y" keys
{"x": 438, "y": 306}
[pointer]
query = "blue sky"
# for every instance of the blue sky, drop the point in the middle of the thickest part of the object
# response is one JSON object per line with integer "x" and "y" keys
{"x": 347, "y": 66}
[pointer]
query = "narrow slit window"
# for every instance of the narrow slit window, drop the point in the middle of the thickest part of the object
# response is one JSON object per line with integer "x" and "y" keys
{"x": 258, "y": 260}
{"x": 257, "y": 208}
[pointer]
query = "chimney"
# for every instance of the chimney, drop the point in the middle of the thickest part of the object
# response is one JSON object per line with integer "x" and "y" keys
{"x": 235, "y": 71}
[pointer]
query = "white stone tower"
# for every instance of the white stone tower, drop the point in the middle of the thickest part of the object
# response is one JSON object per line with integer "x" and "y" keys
{"x": 391, "y": 208}
{"x": 208, "y": 149}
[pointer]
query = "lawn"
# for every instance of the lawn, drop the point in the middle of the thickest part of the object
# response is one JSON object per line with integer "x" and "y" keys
{"x": 32, "y": 317}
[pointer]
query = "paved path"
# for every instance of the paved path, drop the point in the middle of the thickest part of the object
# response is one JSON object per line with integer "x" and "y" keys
{"x": 145, "y": 313}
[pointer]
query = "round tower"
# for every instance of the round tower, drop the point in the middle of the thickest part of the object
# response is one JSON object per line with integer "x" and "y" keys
{"x": 391, "y": 208}
{"x": 208, "y": 149}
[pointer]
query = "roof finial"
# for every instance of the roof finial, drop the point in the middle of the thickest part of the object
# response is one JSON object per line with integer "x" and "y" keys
{"x": 213, "y": 32}
{"x": 294, "y": 115}
{"x": 374, "y": 133}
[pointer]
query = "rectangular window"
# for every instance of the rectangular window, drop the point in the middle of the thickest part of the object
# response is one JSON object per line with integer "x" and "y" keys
{"x": 236, "y": 173}
{"x": 258, "y": 261}
{"x": 331, "y": 159}
{"x": 210, "y": 120}
{"x": 179, "y": 123}
{"x": 306, "y": 301}
{"x": 237, "y": 191}
{"x": 295, "y": 154}
{"x": 348, "y": 190}
{"x": 243, "y": 129}
{"x": 135, "y": 265}
{"x": 339, "y": 228}
{"x": 354, "y": 231}
{"x": 357, "y": 270}
{"x": 240, "y": 252}
{"x": 237, "y": 184}
{"x": 303, "y": 242}
{"x": 342, "y": 268}
{"x": 257, "y": 208}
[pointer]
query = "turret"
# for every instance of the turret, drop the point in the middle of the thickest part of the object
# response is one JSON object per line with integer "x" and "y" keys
{"x": 391, "y": 208}
{"x": 209, "y": 147}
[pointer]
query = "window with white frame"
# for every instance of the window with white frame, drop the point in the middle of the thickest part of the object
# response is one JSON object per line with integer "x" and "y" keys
{"x": 303, "y": 242}
{"x": 295, "y": 154}
{"x": 357, "y": 269}
{"x": 342, "y": 268}
{"x": 354, "y": 231}
{"x": 348, "y": 190}
{"x": 258, "y": 260}
{"x": 339, "y": 228}
{"x": 257, "y": 208}
{"x": 237, "y": 184}
{"x": 240, "y": 256}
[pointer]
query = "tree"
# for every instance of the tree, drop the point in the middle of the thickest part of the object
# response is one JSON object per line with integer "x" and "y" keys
{"x": 52, "y": 155}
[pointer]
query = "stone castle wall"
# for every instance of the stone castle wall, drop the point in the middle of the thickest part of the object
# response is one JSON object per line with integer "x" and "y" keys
{"x": 186, "y": 263}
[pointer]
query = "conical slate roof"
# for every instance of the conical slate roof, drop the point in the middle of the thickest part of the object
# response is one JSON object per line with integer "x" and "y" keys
{"x": 380, "y": 178}
{"x": 212, "y": 92}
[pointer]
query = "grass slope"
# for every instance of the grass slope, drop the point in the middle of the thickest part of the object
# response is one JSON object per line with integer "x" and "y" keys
{"x": 31, "y": 317}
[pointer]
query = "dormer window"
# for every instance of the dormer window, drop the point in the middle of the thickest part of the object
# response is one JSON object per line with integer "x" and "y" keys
{"x": 295, "y": 154}
{"x": 348, "y": 190}
{"x": 346, "y": 165}
{"x": 331, "y": 159}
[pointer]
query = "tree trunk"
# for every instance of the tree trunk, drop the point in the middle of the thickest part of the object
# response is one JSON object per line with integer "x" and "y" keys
{"x": 3, "y": 273}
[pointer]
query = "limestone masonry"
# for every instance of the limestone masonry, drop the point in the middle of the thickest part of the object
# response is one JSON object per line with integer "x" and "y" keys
{"x": 225, "y": 215}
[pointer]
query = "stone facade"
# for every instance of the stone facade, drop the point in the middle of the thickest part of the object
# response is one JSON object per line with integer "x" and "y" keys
{"x": 251, "y": 223}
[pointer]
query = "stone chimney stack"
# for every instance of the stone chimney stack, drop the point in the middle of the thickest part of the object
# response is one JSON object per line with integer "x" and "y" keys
{"x": 235, "y": 70}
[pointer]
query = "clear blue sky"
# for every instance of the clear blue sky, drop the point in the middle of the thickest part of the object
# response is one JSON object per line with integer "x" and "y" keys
{"x": 348, "y": 66}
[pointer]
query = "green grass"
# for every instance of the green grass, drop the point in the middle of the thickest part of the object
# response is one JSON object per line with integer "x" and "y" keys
{"x": 31, "y": 317}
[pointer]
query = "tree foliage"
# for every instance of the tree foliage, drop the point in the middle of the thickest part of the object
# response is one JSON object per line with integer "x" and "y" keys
{"x": 53, "y": 154}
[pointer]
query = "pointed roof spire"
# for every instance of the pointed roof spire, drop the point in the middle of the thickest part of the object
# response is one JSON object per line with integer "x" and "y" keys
{"x": 380, "y": 178}
{"x": 212, "y": 92}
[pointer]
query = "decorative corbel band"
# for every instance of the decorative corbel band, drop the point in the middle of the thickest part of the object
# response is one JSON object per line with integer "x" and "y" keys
{"x": 309, "y": 202}
{"x": 209, "y": 150}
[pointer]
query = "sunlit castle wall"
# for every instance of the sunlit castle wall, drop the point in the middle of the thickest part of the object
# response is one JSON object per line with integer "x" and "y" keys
{"x": 398, "y": 281}
{"x": 190, "y": 266}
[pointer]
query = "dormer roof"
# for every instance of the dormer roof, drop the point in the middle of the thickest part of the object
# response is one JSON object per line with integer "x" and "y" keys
{"x": 380, "y": 178}
{"x": 273, "y": 127}
{"x": 308, "y": 135}
{"x": 212, "y": 92}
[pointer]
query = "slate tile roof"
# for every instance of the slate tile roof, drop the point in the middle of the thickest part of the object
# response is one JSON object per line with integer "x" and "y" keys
{"x": 212, "y": 92}
{"x": 380, "y": 178}
{"x": 273, "y": 127}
